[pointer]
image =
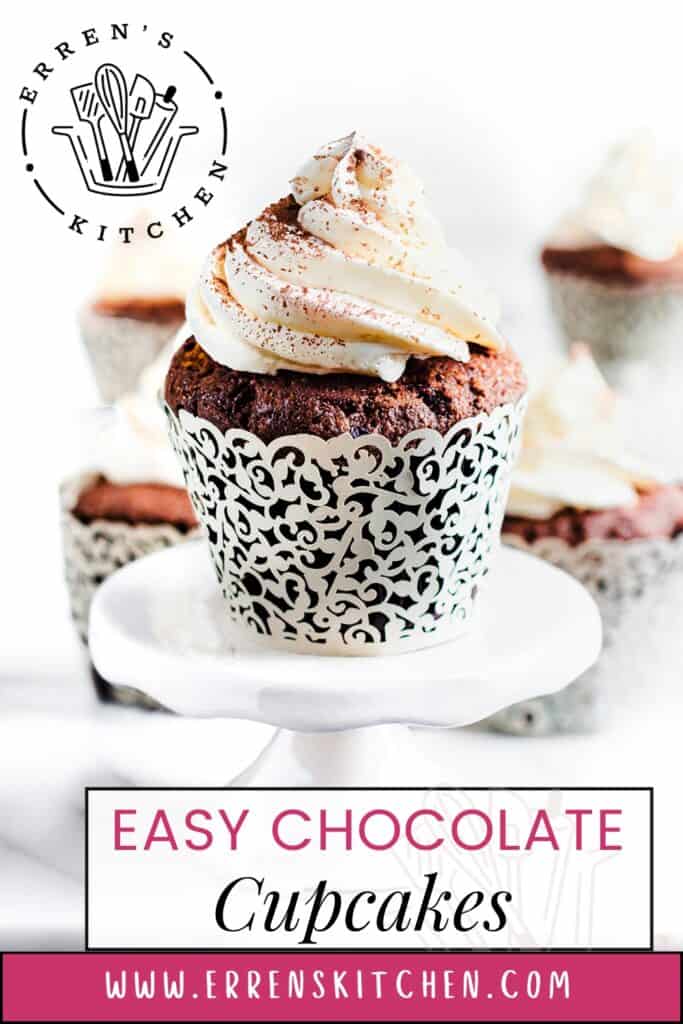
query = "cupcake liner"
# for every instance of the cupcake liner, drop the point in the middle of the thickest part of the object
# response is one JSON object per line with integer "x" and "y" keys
{"x": 625, "y": 578}
{"x": 93, "y": 551}
{"x": 620, "y": 324}
{"x": 120, "y": 348}
{"x": 351, "y": 545}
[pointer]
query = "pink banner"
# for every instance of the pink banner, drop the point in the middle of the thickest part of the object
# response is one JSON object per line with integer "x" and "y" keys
{"x": 341, "y": 986}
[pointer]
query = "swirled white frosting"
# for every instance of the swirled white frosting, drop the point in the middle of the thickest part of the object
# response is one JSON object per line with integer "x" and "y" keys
{"x": 146, "y": 267}
{"x": 353, "y": 274}
{"x": 132, "y": 446}
{"x": 573, "y": 447}
{"x": 634, "y": 202}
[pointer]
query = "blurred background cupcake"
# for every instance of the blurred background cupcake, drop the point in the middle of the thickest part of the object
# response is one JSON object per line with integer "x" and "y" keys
{"x": 347, "y": 414}
{"x": 138, "y": 306}
{"x": 129, "y": 501}
{"x": 614, "y": 265}
{"x": 581, "y": 501}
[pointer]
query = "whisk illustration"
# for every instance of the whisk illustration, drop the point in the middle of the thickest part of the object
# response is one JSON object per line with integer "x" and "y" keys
{"x": 130, "y": 129}
{"x": 112, "y": 92}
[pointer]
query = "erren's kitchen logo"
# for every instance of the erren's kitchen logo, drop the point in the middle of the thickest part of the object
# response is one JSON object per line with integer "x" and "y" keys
{"x": 121, "y": 113}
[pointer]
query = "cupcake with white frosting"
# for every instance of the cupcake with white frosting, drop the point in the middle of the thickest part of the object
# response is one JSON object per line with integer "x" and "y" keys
{"x": 614, "y": 265}
{"x": 138, "y": 306}
{"x": 130, "y": 500}
{"x": 347, "y": 414}
{"x": 582, "y": 501}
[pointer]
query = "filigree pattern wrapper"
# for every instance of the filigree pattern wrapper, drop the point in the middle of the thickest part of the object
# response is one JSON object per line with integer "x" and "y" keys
{"x": 620, "y": 324}
{"x": 623, "y": 577}
{"x": 93, "y": 551}
{"x": 351, "y": 545}
{"x": 119, "y": 349}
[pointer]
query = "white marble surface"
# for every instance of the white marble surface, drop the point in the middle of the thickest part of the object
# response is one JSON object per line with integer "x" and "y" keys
{"x": 55, "y": 738}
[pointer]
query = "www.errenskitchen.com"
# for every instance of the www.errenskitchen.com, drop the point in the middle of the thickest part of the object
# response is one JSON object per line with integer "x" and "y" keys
{"x": 338, "y": 984}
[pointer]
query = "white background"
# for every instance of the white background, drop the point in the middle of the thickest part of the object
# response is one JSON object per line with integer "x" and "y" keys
{"x": 567, "y": 898}
{"x": 502, "y": 108}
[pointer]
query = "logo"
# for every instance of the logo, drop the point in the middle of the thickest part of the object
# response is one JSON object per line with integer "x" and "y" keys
{"x": 118, "y": 118}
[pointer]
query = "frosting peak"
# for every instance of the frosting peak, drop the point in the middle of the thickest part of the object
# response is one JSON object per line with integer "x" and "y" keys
{"x": 353, "y": 175}
{"x": 132, "y": 446}
{"x": 574, "y": 450}
{"x": 349, "y": 273}
{"x": 634, "y": 202}
{"x": 146, "y": 268}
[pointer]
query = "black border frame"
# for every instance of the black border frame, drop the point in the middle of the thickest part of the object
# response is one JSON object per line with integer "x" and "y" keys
{"x": 365, "y": 789}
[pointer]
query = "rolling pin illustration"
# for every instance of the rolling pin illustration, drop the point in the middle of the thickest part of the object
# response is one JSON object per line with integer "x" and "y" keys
{"x": 165, "y": 110}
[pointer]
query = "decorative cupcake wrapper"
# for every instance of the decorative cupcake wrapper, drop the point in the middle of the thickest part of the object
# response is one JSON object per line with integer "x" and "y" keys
{"x": 93, "y": 551}
{"x": 624, "y": 577}
{"x": 351, "y": 545}
{"x": 120, "y": 348}
{"x": 620, "y": 324}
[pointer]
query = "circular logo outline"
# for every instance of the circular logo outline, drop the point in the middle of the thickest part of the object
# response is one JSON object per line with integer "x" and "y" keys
{"x": 130, "y": 110}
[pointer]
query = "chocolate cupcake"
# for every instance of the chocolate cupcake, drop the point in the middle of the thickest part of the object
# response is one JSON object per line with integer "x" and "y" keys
{"x": 139, "y": 306}
{"x": 580, "y": 501}
{"x": 615, "y": 265}
{"x": 346, "y": 415}
{"x": 131, "y": 501}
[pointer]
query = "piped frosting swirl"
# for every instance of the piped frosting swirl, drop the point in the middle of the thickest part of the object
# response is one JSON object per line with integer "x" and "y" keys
{"x": 350, "y": 273}
{"x": 132, "y": 445}
{"x": 634, "y": 202}
{"x": 574, "y": 446}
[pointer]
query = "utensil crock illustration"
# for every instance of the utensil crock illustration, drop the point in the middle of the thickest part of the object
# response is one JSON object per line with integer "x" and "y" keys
{"x": 131, "y": 129}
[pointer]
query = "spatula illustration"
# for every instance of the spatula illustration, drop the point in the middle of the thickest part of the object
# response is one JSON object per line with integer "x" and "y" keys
{"x": 89, "y": 110}
{"x": 140, "y": 106}
{"x": 112, "y": 91}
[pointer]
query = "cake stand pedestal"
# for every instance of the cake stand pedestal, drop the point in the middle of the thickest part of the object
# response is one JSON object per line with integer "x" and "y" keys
{"x": 159, "y": 625}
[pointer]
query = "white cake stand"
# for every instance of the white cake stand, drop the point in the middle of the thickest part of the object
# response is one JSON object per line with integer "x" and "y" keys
{"x": 160, "y": 625}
